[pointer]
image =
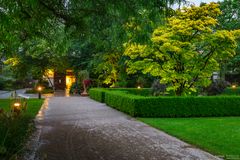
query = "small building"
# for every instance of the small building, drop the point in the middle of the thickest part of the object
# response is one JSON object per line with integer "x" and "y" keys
{"x": 59, "y": 80}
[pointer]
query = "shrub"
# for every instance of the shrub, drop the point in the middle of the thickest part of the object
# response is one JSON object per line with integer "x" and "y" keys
{"x": 43, "y": 83}
{"x": 231, "y": 91}
{"x": 14, "y": 130}
{"x": 157, "y": 88}
{"x": 75, "y": 88}
{"x": 134, "y": 91}
{"x": 97, "y": 94}
{"x": 217, "y": 87}
{"x": 120, "y": 101}
{"x": 187, "y": 106}
{"x": 140, "y": 106}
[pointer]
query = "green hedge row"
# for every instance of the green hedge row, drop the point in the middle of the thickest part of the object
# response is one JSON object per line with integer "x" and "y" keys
{"x": 97, "y": 94}
{"x": 187, "y": 106}
{"x": 231, "y": 91}
{"x": 140, "y": 106}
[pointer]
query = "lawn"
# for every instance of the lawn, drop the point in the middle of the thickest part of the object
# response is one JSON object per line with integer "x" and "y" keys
{"x": 14, "y": 132}
{"x": 220, "y": 136}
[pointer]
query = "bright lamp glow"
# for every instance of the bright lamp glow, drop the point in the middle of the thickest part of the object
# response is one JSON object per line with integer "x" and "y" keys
{"x": 17, "y": 104}
{"x": 39, "y": 88}
{"x": 234, "y": 86}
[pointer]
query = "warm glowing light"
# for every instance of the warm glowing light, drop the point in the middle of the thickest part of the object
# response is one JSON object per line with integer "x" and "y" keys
{"x": 39, "y": 88}
{"x": 234, "y": 86}
{"x": 139, "y": 87}
{"x": 49, "y": 73}
{"x": 17, "y": 104}
{"x": 69, "y": 81}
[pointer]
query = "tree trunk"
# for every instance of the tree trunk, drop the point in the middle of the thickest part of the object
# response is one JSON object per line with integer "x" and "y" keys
{"x": 50, "y": 82}
{"x": 223, "y": 71}
{"x": 180, "y": 90}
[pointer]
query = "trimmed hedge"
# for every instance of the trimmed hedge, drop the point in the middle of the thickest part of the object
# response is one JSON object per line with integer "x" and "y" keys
{"x": 187, "y": 106}
{"x": 231, "y": 91}
{"x": 135, "y": 91}
{"x": 120, "y": 100}
{"x": 97, "y": 94}
{"x": 139, "y": 106}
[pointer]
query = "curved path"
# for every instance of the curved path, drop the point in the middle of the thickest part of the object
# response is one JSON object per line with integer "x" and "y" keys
{"x": 78, "y": 128}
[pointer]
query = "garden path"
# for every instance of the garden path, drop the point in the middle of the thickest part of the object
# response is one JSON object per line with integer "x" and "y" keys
{"x": 78, "y": 128}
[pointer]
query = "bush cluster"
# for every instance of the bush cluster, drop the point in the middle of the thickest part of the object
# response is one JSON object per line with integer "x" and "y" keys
{"x": 217, "y": 87}
{"x": 168, "y": 106}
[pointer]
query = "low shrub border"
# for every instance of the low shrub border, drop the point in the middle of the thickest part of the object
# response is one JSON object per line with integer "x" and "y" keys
{"x": 140, "y": 106}
{"x": 97, "y": 94}
{"x": 231, "y": 91}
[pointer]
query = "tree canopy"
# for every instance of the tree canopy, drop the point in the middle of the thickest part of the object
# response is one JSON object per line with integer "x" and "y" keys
{"x": 71, "y": 29}
{"x": 185, "y": 52}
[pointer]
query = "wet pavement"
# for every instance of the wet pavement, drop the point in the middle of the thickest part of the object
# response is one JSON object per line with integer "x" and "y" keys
{"x": 78, "y": 128}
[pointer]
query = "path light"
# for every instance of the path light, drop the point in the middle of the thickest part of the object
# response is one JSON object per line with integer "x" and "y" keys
{"x": 234, "y": 86}
{"x": 16, "y": 107}
{"x": 139, "y": 87}
{"x": 17, "y": 104}
{"x": 39, "y": 88}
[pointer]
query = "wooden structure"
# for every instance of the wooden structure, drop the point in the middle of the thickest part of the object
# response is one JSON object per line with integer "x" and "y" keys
{"x": 63, "y": 80}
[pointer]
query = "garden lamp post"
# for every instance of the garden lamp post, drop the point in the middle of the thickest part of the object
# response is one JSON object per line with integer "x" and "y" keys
{"x": 16, "y": 104}
{"x": 39, "y": 92}
{"x": 234, "y": 86}
{"x": 16, "y": 108}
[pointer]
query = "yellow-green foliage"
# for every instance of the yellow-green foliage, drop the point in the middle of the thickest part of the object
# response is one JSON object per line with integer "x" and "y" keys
{"x": 186, "y": 51}
{"x": 108, "y": 68}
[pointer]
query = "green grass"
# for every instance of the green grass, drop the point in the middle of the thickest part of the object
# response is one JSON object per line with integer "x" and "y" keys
{"x": 18, "y": 129}
{"x": 220, "y": 136}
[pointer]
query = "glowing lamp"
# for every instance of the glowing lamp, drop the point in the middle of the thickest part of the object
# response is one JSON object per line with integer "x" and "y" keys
{"x": 139, "y": 87}
{"x": 39, "y": 88}
{"x": 16, "y": 104}
{"x": 39, "y": 92}
{"x": 234, "y": 86}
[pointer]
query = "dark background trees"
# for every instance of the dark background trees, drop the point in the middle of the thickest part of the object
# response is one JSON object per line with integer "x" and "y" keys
{"x": 58, "y": 34}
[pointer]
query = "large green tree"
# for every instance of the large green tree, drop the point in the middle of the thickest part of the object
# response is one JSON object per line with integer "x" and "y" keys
{"x": 185, "y": 52}
{"x": 230, "y": 20}
{"x": 71, "y": 29}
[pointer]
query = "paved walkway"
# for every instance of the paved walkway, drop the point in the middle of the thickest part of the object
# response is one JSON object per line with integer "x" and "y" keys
{"x": 78, "y": 128}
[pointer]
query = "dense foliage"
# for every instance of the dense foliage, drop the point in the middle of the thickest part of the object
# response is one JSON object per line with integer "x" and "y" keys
{"x": 230, "y": 20}
{"x": 41, "y": 34}
{"x": 38, "y": 35}
{"x": 186, "y": 51}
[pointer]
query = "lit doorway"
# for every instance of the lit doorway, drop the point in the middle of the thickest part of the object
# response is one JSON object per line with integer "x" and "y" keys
{"x": 69, "y": 81}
